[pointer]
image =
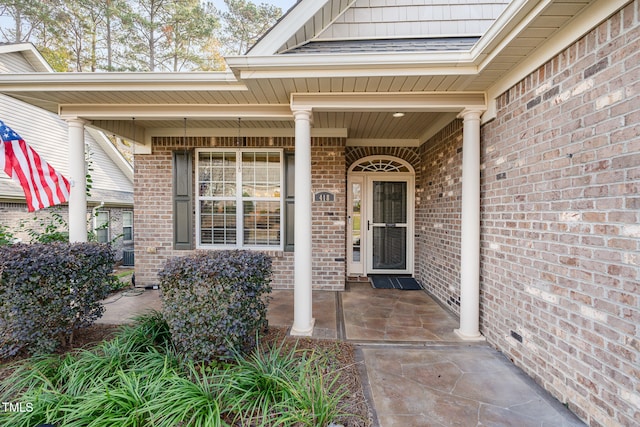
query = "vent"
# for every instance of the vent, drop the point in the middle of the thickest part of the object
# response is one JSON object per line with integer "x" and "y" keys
{"x": 516, "y": 336}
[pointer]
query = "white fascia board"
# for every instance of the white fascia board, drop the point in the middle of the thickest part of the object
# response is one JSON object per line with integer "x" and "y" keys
{"x": 112, "y": 152}
{"x": 176, "y": 111}
{"x": 594, "y": 14}
{"x": 403, "y": 101}
{"x": 286, "y": 27}
{"x": 79, "y": 82}
{"x": 388, "y": 64}
{"x": 513, "y": 19}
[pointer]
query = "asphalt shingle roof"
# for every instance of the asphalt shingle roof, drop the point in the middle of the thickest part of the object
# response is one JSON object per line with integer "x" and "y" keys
{"x": 443, "y": 44}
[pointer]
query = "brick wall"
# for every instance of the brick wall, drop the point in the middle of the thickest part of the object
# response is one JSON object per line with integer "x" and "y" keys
{"x": 560, "y": 234}
{"x": 438, "y": 204}
{"x": 153, "y": 222}
{"x": 12, "y": 215}
{"x": 328, "y": 172}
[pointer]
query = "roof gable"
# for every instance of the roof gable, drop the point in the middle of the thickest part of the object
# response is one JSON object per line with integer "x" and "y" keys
{"x": 329, "y": 22}
{"x": 22, "y": 58}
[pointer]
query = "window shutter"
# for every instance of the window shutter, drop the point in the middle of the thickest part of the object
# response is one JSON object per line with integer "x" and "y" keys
{"x": 182, "y": 200}
{"x": 289, "y": 201}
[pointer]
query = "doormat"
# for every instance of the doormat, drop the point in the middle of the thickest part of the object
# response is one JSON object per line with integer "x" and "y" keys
{"x": 394, "y": 282}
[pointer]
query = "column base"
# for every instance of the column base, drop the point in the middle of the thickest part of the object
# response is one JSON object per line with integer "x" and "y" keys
{"x": 465, "y": 337}
{"x": 306, "y": 332}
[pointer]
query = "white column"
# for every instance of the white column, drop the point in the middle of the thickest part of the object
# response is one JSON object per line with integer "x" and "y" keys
{"x": 302, "y": 314}
{"x": 470, "y": 229}
{"x": 77, "y": 172}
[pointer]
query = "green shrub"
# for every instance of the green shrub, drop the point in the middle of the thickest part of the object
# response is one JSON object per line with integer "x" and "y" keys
{"x": 136, "y": 380}
{"x": 276, "y": 385}
{"x": 6, "y": 236}
{"x": 215, "y": 302}
{"x": 47, "y": 291}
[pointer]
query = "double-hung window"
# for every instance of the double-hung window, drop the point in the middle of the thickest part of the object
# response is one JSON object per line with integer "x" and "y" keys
{"x": 127, "y": 225}
{"x": 239, "y": 198}
{"x": 101, "y": 226}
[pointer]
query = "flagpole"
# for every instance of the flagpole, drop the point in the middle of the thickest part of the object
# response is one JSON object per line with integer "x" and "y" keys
{"x": 78, "y": 177}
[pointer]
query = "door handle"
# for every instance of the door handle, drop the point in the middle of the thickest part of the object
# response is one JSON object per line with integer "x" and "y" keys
{"x": 368, "y": 224}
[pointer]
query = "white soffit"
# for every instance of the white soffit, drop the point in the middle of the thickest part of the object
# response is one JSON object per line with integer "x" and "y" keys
{"x": 595, "y": 13}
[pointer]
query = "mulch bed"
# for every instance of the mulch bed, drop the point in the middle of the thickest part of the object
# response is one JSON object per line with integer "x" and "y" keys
{"x": 344, "y": 360}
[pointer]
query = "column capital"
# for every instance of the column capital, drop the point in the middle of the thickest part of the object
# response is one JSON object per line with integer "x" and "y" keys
{"x": 76, "y": 122}
{"x": 302, "y": 113}
{"x": 471, "y": 113}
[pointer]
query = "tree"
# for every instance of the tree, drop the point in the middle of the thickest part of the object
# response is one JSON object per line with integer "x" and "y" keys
{"x": 244, "y": 23}
{"x": 144, "y": 33}
{"x": 188, "y": 29}
{"x": 135, "y": 35}
{"x": 114, "y": 13}
{"x": 27, "y": 16}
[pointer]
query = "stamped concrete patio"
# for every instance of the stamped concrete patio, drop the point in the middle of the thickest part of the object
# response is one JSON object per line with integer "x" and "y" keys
{"x": 416, "y": 371}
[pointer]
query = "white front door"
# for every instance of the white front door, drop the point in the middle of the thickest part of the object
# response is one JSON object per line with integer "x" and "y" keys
{"x": 380, "y": 223}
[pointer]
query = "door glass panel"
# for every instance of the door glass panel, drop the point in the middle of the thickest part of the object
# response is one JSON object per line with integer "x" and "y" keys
{"x": 389, "y": 202}
{"x": 389, "y": 225}
{"x": 389, "y": 248}
{"x": 356, "y": 221}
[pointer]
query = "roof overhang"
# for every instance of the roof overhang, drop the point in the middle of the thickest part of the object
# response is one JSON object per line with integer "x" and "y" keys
{"x": 353, "y": 65}
{"x": 341, "y": 89}
{"x": 30, "y": 53}
{"x": 121, "y": 81}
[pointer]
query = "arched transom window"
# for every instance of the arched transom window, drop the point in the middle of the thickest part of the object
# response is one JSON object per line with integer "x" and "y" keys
{"x": 381, "y": 164}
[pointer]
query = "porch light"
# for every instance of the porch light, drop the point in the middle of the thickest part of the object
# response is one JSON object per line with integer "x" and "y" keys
{"x": 398, "y": 115}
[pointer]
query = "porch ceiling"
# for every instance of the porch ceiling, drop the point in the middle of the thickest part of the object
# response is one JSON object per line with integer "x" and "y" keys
{"x": 523, "y": 38}
{"x": 213, "y": 102}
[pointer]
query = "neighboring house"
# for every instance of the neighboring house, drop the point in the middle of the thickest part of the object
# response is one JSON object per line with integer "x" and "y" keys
{"x": 490, "y": 149}
{"x": 109, "y": 213}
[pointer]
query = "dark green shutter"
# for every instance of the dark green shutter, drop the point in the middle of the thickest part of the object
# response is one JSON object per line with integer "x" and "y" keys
{"x": 182, "y": 200}
{"x": 289, "y": 193}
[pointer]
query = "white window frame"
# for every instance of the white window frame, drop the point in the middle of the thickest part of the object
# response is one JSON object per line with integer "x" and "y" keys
{"x": 123, "y": 225}
{"x": 239, "y": 200}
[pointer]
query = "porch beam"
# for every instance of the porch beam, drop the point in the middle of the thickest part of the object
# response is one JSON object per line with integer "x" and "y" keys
{"x": 303, "y": 321}
{"x": 176, "y": 112}
{"x": 470, "y": 229}
{"x": 395, "y": 101}
{"x": 77, "y": 174}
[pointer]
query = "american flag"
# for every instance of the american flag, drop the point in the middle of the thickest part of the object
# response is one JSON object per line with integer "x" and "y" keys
{"x": 42, "y": 185}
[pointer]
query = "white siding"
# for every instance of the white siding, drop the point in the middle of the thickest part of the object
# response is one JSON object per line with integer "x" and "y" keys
{"x": 106, "y": 174}
{"x": 48, "y": 135}
{"x": 14, "y": 62}
{"x": 408, "y": 18}
{"x": 45, "y": 132}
